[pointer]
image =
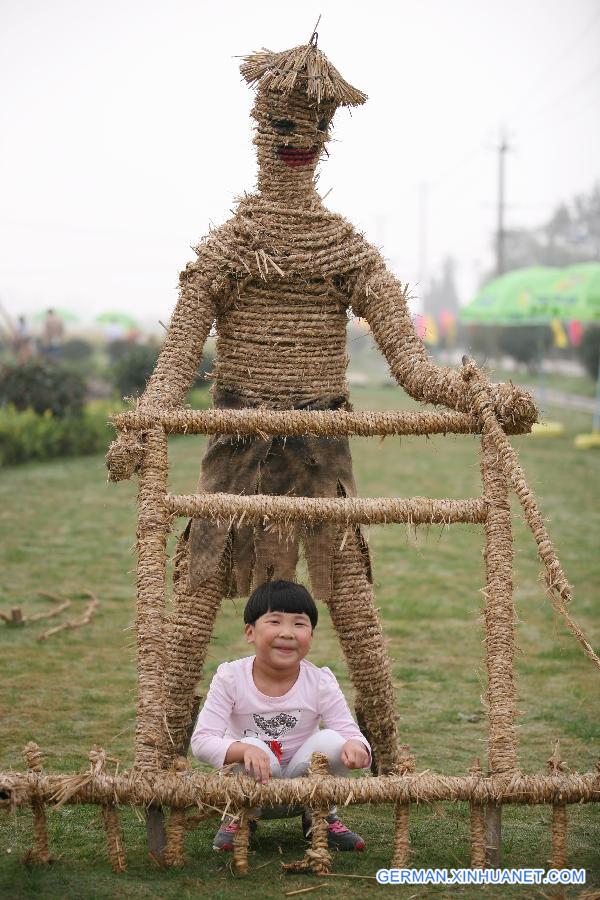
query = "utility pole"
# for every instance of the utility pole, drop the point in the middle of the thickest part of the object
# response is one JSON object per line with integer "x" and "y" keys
{"x": 503, "y": 148}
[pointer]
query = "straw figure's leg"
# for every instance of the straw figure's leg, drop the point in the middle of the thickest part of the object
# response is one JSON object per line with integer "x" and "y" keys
{"x": 356, "y": 621}
{"x": 190, "y": 631}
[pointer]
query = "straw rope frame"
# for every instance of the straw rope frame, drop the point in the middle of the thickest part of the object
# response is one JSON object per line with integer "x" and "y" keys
{"x": 193, "y": 797}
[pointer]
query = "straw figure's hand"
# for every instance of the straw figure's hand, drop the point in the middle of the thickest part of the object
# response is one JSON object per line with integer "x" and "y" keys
{"x": 515, "y": 408}
{"x": 124, "y": 457}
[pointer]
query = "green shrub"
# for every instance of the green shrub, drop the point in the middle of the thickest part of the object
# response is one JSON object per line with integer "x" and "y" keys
{"x": 27, "y": 435}
{"x": 133, "y": 364}
{"x": 589, "y": 350}
{"x": 76, "y": 350}
{"x": 118, "y": 349}
{"x": 43, "y": 387}
{"x": 132, "y": 370}
{"x": 482, "y": 342}
{"x": 527, "y": 344}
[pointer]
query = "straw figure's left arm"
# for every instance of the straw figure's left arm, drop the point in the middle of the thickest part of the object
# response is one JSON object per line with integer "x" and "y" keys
{"x": 200, "y": 286}
{"x": 376, "y": 295}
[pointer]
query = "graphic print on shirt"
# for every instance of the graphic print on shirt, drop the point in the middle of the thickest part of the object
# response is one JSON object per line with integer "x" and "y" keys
{"x": 277, "y": 725}
{"x": 273, "y": 727}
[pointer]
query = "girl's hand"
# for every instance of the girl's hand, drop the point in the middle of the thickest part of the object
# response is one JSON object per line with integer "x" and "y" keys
{"x": 355, "y": 755}
{"x": 257, "y": 764}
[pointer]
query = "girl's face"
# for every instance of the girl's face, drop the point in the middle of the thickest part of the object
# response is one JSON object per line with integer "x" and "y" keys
{"x": 280, "y": 639}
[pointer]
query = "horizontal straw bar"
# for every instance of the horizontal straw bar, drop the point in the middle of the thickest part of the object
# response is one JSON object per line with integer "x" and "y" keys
{"x": 313, "y": 510}
{"x": 236, "y": 791}
{"x": 327, "y": 423}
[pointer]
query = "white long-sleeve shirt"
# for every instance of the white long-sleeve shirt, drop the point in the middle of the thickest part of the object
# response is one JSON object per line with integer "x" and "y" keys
{"x": 235, "y": 708}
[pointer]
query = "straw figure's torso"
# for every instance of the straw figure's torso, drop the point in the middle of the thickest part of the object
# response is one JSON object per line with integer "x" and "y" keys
{"x": 280, "y": 295}
{"x": 283, "y": 344}
{"x": 282, "y": 302}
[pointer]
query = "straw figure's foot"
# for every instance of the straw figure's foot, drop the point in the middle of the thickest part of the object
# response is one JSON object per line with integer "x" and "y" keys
{"x": 124, "y": 457}
{"x": 515, "y": 408}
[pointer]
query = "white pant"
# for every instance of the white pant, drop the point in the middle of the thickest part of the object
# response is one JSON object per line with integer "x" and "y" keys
{"x": 325, "y": 741}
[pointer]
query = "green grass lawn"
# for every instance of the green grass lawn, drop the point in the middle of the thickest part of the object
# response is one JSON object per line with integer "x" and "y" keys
{"x": 63, "y": 528}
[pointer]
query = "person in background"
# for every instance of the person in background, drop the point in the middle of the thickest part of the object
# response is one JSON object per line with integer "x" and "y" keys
{"x": 53, "y": 332}
{"x": 22, "y": 341}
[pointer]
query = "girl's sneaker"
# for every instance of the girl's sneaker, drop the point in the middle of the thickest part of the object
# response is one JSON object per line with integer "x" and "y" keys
{"x": 338, "y": 836}
{"x": 224, "y": 837}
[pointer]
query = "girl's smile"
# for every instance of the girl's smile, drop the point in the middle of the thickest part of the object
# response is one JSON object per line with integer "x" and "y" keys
{"x": 281, "y": 640}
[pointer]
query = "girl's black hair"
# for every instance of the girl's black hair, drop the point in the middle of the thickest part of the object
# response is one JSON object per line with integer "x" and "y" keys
{"x": 280, "y": 596}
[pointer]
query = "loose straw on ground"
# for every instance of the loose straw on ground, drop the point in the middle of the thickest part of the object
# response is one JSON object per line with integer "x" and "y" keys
{"x": 16, "y": 616}
{"x": 85, "y": 619}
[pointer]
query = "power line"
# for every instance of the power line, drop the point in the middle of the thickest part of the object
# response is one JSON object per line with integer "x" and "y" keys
{"x": 468, "y": 157}
{"x": 573, "y": 113}
{"x": 459, "y": 164}
{"x": 542, "y": 75}
{"x": 574, "y": 87}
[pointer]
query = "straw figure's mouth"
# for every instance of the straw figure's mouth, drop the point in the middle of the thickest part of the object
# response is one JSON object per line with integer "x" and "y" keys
{"x": 296, "y": 156}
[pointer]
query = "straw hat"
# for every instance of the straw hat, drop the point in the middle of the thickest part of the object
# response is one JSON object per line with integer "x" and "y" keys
{"x": 305, "y": 68}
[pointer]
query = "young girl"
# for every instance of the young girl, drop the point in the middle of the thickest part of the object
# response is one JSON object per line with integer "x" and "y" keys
{"x": 263, "y": 712}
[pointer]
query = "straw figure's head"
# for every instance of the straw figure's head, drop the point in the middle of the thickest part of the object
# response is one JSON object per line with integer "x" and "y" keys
{"x": 298, "y": 92}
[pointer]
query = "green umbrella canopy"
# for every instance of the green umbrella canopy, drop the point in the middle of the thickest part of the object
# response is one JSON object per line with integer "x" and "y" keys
{"x": 117, "y": 318}
{"x": 65, "y": 314}
{"x": 537, "y": 295}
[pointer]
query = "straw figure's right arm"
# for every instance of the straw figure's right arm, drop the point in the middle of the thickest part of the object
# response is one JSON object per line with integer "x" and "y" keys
{"x": 177, "y": 364}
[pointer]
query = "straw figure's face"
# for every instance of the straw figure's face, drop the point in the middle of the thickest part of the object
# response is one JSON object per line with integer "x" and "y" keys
{"x": 298, "y": 91}
{"x": 291, "y": 132}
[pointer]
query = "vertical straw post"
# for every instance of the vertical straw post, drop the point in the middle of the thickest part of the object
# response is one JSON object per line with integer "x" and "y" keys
{"x": 153, "y": 524}
{"x": 558, "y": 857}
{"x": 110, "y": 819}
{"x": 477, "y": 824}
{"x": 499, "y": 635}
{"x": 499, "y": 610}
{"x": 241, "y": 841}
{"x": 39, "y": 853}
{"x": 317, "y": 858}
{"x": 174, "y": 854}
{"x": 406, "y": 765}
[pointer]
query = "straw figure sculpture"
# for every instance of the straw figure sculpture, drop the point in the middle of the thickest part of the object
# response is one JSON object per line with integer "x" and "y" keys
{"x": 279, "y": 280}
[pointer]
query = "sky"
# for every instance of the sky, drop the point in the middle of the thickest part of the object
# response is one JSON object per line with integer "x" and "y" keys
{"x": 124, "y": 133}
